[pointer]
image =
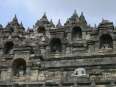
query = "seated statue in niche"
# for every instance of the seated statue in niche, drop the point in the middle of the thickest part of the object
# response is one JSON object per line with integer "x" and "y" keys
{"x": 78, "y": 37}
{"x": 56, "y": 49}
{"x": 106, "y": 46}
{"x": 53, "y": 49}
{"x": 21, "y": 71}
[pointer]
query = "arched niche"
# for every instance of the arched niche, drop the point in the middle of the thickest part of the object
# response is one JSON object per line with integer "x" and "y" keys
{"x": 19, "y": 67}
{"x": 8, "y": 46}
{"x": 106, "y": 41}
{"x": 55, "y": 45}
{"x": 76, "y": 33}
{"x": 41, "y": 29}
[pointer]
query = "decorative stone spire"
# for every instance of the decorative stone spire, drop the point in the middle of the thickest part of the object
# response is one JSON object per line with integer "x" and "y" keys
{"x": 59, "y": 25}
{"x": 82, "y": 18}
{"x": 75, "y": 14}
{"x": 37, "y": 23}
{"x": 14, "y": 22}
{"x": 15, "y": 19}
{"x": 74, "y": 17}
{"x": 67, "y": 21}
{"x": 43, "y": 21}
{"x": 52, "y": 24}
{"x": 14, "y": 25}
{"x": 21, "y": 26}
{"x": 1, "y": 26}
{"x": 44, "y": 16}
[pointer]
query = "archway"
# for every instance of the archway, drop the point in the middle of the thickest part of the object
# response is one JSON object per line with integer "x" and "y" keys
{"x": 76, "y": 33}
{"x": 56, "y": 45}
{"x": 8, "y": 46}
{"x": 19, "y": 67}
{"x": 106, "y": 41}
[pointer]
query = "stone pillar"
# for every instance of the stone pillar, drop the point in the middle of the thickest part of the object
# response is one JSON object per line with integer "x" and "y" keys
{"x": 42, "y": 50}
{"x": 75, "y": 84}
{"x": 112, "y": 84}
{"x": 69, "y": 36}
{"x": 27, "y": 85}
{"x": 3, "y": 74}
{"x": 84, "y": 35}
{"x": 90, "y": 47}
{"x": 93, "y": 83}
{"x": 68, "y": 50}
{"x": 34, "y": 76}
{"x": 60, "y": 85}
{"x": 10, "y": 74}
{"x": 63, "y": 49}
{"x": 28, "y": 71}
{"x": 47, "y": 50}
{"x": 43, "y": 85}
{"x": 13, "y": 85}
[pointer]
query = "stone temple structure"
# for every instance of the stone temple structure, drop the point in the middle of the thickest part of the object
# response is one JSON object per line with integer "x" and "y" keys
{"x": 70, "y": 55}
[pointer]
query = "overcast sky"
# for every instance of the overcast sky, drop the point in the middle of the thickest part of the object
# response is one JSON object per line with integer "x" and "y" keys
{"x": 29, "y": 11}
